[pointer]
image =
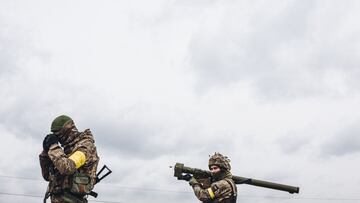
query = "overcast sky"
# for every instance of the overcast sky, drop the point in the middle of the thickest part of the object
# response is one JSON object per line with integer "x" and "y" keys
{"x": 274, "y": 85}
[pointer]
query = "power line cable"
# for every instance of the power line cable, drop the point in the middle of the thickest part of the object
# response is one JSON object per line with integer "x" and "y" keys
{"x": 240, "y": 196}
{"x": 105, "y": 184}
{"x": 17, "y": 177}
{"x": 23, "y": 195}
{"x": 174, "y": 191}
{"x": 300, "y": 198}
{"x": 39, "y": 196}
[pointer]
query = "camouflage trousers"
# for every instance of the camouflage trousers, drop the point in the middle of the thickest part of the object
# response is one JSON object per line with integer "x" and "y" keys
{"x": 67, "y": 197}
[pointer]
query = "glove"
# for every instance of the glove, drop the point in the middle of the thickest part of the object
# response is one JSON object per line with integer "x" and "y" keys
{"x": 193, "y": 182}
{"x": 186, "y": 177}
{"x": 49, "y": 140}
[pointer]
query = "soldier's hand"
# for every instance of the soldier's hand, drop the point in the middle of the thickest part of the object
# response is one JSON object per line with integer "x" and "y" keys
{"x": 49, "y": 140}
{"x": 193, "y": 182}
{"x": 186, "y": 177}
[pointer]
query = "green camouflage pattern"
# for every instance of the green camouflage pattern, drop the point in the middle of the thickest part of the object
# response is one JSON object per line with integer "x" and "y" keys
{"x": 81, "y": 184}
{"x": 224, "y": 190}
{"x": 58, "y": 169}
{"x": 220, "y": 160}
{"x": 221, "y": 183}
{"x": 67, "y": 197}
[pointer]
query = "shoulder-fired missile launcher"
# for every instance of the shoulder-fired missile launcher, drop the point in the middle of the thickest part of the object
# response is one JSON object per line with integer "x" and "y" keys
{"x": 180, "y": 169}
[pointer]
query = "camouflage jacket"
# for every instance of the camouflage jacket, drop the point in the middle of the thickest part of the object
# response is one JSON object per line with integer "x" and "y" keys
{"x": 57, "y": 168}
{"x": 222, "y": 191}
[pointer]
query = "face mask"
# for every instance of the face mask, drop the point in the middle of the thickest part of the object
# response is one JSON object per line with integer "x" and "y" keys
{"x": 64, "y": 134}
{"x": 221, "y": 175}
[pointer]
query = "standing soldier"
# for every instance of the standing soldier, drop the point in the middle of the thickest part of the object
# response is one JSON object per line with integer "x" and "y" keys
{"x": 222, "y": 188}
{"x": 70, "y": 168}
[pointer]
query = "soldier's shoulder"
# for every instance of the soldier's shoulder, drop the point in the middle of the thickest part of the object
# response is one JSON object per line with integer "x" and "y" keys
{"x": 87, "y": 135}
{"x": 87, "y": 131}
{"x": 86, "y": 140}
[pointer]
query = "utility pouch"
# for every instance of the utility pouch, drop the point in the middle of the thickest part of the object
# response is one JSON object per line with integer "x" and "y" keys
{"x": 81, "y": 184}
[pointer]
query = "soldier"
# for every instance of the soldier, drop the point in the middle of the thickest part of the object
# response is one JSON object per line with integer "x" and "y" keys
{"x": 71, "y": 166}
{"x": 222, "y": 188}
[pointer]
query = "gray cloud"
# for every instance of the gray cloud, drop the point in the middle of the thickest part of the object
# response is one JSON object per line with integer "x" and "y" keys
{"x": 292, "y": 143}
{"x": 125, "y": 81}
{"x": 344, "y": 142}
{"x": 277, "y": 52}
{"x": 142, "y": 137}
{"x": 9, "y": 51}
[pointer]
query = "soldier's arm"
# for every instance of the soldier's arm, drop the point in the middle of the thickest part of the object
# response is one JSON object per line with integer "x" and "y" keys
{"x": 218, "y": 190}
{"x": 45, "y": 164}
{"x": 203, "y": 194}
{"x": 221, "y": 189}
{"x": 64, "y": 165}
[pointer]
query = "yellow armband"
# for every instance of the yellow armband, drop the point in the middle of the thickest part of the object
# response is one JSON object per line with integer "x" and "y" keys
{"x": 211, "y": 193}
{"x": 78, "y": 158}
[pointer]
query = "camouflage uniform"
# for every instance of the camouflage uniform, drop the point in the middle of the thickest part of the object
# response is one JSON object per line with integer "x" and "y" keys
{"x": 222, "y": 188}
{"x": 57, "y": 167}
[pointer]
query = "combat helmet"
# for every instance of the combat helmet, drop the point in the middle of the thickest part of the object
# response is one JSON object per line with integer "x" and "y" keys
{"x": 220, "y": 160}
{"x": 59, "y": 122}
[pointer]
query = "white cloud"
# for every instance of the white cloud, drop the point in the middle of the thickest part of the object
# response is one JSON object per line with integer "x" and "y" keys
{"x": 273, "y": 85}
{"x": 286, "y": 51}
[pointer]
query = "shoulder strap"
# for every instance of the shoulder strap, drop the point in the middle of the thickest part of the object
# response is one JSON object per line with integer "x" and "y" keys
{"x": 234, "y": 190}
